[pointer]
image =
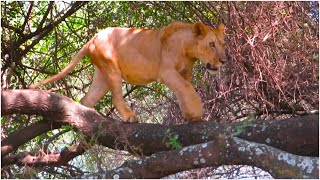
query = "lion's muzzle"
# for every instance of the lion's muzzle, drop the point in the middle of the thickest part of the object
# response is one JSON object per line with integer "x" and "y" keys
{"x": 211, "y": 67}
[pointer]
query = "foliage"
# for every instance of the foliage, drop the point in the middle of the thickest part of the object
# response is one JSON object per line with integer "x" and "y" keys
{"x": 272, "y": 72}
{"x": 173, "y": 142}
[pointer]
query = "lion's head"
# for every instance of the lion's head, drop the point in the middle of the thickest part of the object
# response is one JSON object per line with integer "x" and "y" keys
{"x": 209, "y": 47}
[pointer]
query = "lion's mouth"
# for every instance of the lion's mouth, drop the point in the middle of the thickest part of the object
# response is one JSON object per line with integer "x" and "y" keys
{"x": 211, "y": 68}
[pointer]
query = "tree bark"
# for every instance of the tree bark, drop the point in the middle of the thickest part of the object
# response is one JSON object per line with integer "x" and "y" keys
{"x": 24, "y": 135}
{"x": 38, "y": 159}
{"x": 298, "y": 135}
{"x": 225, "y": 151}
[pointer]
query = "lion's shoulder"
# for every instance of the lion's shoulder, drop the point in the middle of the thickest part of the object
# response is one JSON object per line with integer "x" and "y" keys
{"x": 172, "y": 28}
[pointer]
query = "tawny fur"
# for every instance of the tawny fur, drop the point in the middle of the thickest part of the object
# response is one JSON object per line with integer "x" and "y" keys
{"x": 140, "y": 56}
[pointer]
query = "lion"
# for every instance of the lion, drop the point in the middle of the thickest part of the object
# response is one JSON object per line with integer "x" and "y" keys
{"x": 140, "y": 56}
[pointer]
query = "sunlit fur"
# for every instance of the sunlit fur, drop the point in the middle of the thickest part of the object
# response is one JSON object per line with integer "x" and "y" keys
{"x": 140, "y": 56}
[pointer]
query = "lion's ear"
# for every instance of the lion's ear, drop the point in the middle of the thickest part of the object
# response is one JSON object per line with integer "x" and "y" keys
{"x": 199, "y": 29}
{"x": 221, "y": 29}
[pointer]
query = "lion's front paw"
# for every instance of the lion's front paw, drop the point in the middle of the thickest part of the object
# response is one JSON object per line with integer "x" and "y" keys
{"x": 130, "y": 118}
{"x": 194, "y": 115}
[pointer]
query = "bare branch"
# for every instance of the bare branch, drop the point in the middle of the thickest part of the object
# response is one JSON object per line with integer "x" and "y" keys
{"x": 43, "y": 31}
{"x": 36, "y": 159}
{"x": 45, "y": 15}
{"x": 27, "y": 17}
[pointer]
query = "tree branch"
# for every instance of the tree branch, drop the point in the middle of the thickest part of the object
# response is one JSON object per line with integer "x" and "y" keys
{"x": 278, "y": 163}
{"x": 43, "y": 31}
{"x": 45, "y": 15}
{"x": 37, "y": 159}
{"x": 17, "y": 138}
{"x": 26, "y": 19}
{"x": 224, "y": 151}
{"x": 298, "y": 135}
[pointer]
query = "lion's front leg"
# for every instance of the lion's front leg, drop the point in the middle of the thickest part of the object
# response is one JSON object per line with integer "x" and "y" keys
{"x": 189, "y": 100}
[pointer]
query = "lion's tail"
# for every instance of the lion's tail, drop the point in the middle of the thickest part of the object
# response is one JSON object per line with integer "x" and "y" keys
{"x": 83, "y": 51}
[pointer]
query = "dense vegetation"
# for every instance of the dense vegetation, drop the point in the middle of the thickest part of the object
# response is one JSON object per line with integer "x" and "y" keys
{"x": 273, "y": 73}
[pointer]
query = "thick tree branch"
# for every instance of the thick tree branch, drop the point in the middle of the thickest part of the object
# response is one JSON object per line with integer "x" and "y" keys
{"x": 278, "y": 163}
{"x": 24, "y": 135}
{"x": 296, "y": 135}
{"x": 224, "y": 151}
{"x": 150, "y": 138}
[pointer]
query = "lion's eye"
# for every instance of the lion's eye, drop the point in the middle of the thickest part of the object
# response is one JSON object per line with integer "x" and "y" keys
{"x": 212, "y": 45}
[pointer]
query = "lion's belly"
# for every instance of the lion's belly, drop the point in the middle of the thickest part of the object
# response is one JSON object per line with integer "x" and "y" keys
{"x": 137, "y": 73}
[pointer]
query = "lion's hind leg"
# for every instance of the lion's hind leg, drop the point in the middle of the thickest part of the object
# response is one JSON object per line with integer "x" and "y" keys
{"x": 117, "y": 97}
{"x": 114, "y": 78}
{"x": 97, "y": 90}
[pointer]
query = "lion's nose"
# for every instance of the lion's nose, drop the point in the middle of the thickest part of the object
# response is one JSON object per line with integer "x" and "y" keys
{"x": 211, "y": 67}
{"x": 208, "y": 66}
